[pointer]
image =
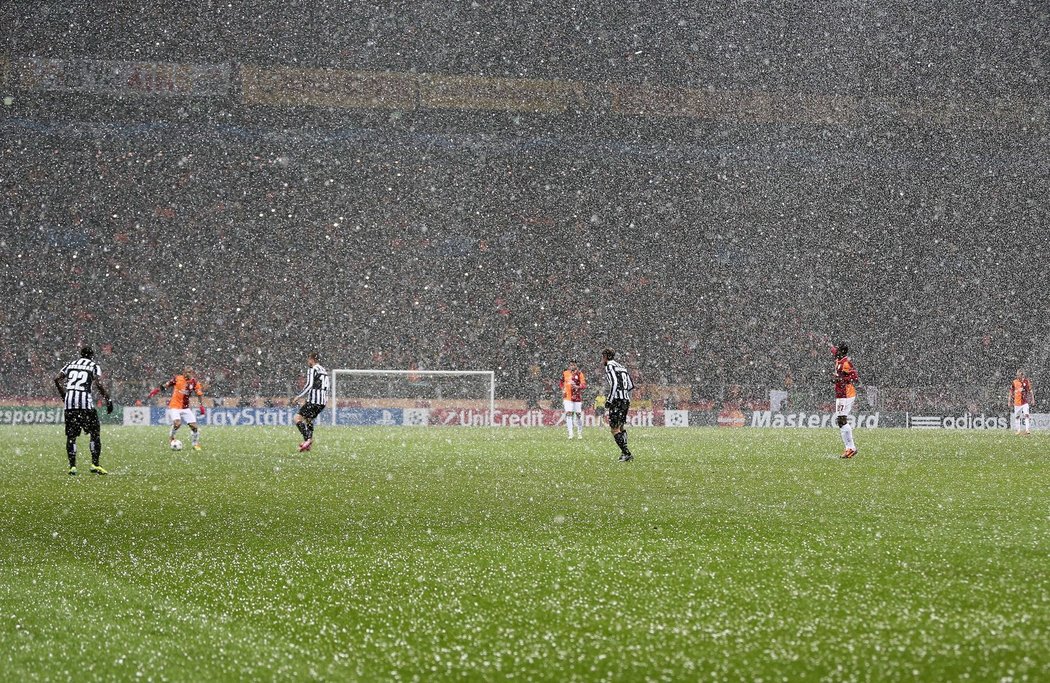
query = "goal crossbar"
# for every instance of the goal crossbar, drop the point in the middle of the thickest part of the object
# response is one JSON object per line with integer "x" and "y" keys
{"x": 416, "y": 373}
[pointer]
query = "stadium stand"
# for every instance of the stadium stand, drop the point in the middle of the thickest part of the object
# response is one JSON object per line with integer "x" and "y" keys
{"x": 478, "y": 216}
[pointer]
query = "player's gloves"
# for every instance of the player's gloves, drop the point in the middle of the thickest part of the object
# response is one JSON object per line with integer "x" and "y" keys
{"x": 202, "y": 410}
{"x": 109, "y": 407}
{"x": 154, "y": 392}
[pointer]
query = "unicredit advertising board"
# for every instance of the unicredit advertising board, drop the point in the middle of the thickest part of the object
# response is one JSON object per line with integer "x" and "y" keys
{"x": 519, "y": 418}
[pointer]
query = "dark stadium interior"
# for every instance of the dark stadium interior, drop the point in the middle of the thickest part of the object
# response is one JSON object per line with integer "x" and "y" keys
{"x": 715, "y": 249}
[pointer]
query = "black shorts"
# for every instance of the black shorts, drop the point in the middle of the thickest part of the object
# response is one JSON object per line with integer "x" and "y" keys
{"x": 617, "y": 412}
{"x": 311, "y": 410}
{"x": 81, "y": 420}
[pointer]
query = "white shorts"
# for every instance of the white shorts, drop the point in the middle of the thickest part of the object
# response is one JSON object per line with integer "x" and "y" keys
{"x": 1021, "y": 410}
{"x": 573, "y": 406}
{"x": 183, "y": 415}
{"x": 843, "y": 406}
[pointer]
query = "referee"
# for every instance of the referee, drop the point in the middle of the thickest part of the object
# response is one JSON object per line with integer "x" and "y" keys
{"x": 618, "y": 401}
{"x": 316, "y": 394}
{"x": 74, "y": 383}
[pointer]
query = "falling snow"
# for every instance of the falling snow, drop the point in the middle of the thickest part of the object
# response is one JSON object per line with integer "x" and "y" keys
{"x": 719, "y": 191}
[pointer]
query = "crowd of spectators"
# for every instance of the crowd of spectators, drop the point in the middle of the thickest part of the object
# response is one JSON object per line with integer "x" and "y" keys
{"x": 897, "y": 48}
{"x": 718, "y": 256}
{"x": 238, "y": 252}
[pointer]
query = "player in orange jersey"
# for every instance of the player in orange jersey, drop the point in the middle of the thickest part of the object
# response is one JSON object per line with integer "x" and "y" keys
{"x": 1021, "y": 399}
{"x": 572, "y": 384}
{"x": 846, "y": 379}
{"x": 182, "y": 386}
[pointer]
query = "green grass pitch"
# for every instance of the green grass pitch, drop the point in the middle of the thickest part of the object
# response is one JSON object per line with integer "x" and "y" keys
{"x": 452, "y": 554}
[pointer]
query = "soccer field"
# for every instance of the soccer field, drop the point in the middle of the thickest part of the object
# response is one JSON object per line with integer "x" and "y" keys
{"x": 445, "y": 553}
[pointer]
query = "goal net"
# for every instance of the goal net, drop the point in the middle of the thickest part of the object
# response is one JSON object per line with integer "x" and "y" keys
{"x": 412, "y": 397}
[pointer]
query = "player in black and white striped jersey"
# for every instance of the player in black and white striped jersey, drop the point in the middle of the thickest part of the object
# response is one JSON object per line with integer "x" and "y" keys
{"x": 75, "y": 382}
{"x": 618, "y": 401}
{"x": 316, "y": 394}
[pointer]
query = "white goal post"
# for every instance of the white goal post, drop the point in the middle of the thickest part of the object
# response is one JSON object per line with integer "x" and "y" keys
{"x": 491, "y": 375}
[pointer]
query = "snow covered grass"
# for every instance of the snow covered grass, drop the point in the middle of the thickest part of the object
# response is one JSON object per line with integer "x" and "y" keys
{"x": 415, "y": 554}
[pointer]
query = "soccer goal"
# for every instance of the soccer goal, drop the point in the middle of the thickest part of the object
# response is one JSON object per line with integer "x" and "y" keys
{"x": 413, "y": 397}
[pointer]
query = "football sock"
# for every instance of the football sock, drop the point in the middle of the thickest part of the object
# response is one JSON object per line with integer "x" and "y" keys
{"x": 171, "y": 432}
{"x": 301, "y": 426}
{"x": 621, "y": 441}
{"x": 309, "y": 431}
{"x": 847, "y": 436}
{"x": 1027, "y": 423}
{"x": 71, "y": 452}
{"x": 196, "y": 437}
{"x": 568, "y": 423}
{"x": 579, "y": 424}
{"x": 96, "y": 449}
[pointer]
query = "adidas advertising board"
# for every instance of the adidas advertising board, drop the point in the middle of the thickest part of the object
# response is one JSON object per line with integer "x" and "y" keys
{"x": 964, "y": 421}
